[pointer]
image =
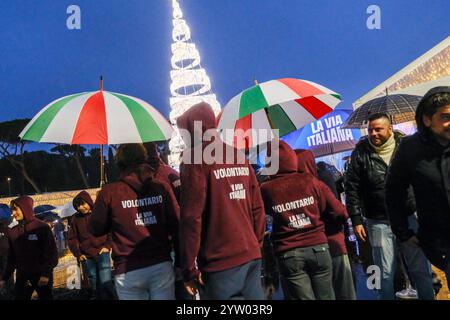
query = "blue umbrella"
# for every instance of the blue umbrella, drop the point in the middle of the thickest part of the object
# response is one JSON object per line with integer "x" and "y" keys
{"x": 5, "y": 212}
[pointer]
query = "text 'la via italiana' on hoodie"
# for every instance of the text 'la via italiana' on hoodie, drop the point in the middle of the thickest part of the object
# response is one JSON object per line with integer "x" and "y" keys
{"x": 296, "y": 202}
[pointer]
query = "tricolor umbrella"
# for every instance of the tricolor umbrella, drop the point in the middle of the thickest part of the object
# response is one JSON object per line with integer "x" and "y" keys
{"x": 285, "y": 104}
{"x": 98, "y": 117}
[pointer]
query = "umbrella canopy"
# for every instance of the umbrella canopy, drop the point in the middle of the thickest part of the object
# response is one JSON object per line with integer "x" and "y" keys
{"x": 43, "y": 208}
{"x": 284, "y": 104}
{"x": 99, "y": 117}
{"x": 400, "y": 107}
{"x": 5, "y": 212}
{"x": 49, "y": 216}
{"x": 67, "y": 210}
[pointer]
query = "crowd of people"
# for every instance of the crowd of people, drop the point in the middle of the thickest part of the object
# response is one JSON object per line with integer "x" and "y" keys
{"x": 208, "y": 231}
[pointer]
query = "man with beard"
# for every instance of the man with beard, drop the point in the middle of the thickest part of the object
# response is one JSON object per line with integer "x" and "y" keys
{"x": 365, "y": 196}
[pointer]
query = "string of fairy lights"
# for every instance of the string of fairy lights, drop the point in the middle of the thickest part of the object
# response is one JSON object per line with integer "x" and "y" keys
{"x": 190, "y": 83}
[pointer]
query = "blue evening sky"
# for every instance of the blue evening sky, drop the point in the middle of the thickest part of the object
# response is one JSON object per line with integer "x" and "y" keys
{"x": 325, "y": 41}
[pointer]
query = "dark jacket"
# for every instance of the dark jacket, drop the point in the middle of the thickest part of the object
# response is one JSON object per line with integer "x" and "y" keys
{"x": 32, "y": 247}
{"x": 296, "y": 201}
{"x": 365, "y": 183}
{"x": 334, "y": 228}
{"x": 222, "y": 213}
{"x": 5, "y": 219}
{"x": 142, "y": 216}
{"x": 81, "y": 241}
{"x": 4, "y": 243}
{"x": 423, "y": 163}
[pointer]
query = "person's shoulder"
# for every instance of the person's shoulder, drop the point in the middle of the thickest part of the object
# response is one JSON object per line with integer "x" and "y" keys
{"x": 362, "y": 146}
{"x": 158, "y": 185}
{"x": 37, "y": 224}
{"x": 412, "y": 144}
{"x": 169, "y": 169}
{"x": 111, "y": 187}
{"x": 77, "y": 216}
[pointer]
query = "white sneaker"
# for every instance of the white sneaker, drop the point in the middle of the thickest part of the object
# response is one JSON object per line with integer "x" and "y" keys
{"x": 407, "y": 294}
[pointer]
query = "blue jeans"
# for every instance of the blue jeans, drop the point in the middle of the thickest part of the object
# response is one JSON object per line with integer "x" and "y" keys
{"x": 382, "y": 240}
{"x": 418, "y": 266}
{"x": 156, "y": 282}
{"x": 99, "y": 269}
{"x": 238, "y": 283}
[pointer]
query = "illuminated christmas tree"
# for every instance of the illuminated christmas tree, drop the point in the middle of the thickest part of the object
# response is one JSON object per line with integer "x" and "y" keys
{"x": 190, "y": 83}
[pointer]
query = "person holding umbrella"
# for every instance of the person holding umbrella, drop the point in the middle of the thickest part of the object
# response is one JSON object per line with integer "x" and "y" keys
{"x": 142, "y": 216}
{"x": 92, "y": 252}
{"x": 32, "y": 253}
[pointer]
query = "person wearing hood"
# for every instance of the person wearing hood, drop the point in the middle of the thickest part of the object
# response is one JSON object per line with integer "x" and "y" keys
{"x": 297, "y": 201}
{"x": 171, "y": 177}
{"x": 5, "y": 220}
{"x": 423, "y": 161}
{"x": 222, "y": 213}
{"x": 32, "y": 253}
{"x": 343, "y": 285}
{"x": 92, "y": 252}
{"x": 142, "y": 216}
{"x": 162, "y": 171}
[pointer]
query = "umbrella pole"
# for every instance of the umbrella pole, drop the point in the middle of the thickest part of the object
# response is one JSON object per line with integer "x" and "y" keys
{"x": 102, "y": 159}
{"x": 102, "y": 167}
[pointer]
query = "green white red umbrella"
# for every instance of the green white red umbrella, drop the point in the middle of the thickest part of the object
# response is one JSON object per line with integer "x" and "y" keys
{"x": 285, "y": 104}
{"x": 98, "y": 117}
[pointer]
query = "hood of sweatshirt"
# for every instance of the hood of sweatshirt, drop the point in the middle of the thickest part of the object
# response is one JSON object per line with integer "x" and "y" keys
{"x": 84, "y": 196}
{"x": 153, "y": 157}
{"x": 137, "y": 176}
{"x": 287, "y": 158}
{"x": 197, "y": 120}
{"x": 25, "y": 203}
{"x": 306, "y": 162}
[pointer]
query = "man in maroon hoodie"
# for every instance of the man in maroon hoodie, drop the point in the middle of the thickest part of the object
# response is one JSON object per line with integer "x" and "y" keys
{"x": 222, "y": 214}
{"x": 334, "y": 229}
{"x": 296, "y": 201}
{"x": 93, "y": 252}
{"x": 142, "y": 215}
{"x": 32, "y": 253}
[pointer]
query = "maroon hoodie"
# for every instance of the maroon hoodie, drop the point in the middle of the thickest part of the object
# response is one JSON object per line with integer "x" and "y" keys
{"x": 296, "y": 201}
{"x": 333, "y": 227}
{"x": 32, "y": 246}
{"x": 163, "y": 172}
{"x": 222, "y": 213}
{"x": 142, "y": 216}
{"x": 81, "y": 241}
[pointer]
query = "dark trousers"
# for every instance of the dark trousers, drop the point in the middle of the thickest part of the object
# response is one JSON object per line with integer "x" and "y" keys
{"x": 306, "y": 273}
{"x": 98, "y": 270}
{"x": 26, "y": 285}
{"x": 344, "y": 288}
{"x": 239, "y": 283}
